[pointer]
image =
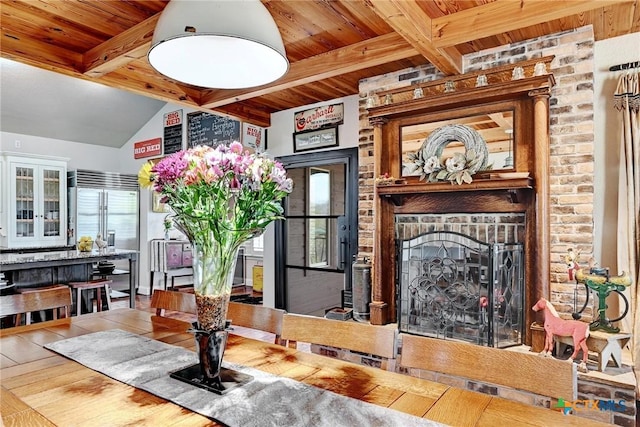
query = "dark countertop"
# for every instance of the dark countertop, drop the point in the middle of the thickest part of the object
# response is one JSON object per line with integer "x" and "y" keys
{"x": 12, "y": 260}
{"x": 5, "y": 250}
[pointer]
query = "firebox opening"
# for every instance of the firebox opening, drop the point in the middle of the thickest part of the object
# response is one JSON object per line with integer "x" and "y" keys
{"x": 453, "y": 285}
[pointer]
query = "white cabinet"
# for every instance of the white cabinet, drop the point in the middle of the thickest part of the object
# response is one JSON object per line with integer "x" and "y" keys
{"x": 34, "y": 205}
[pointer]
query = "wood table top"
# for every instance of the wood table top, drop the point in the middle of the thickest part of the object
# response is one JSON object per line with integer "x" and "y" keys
{"x": 40, "y": 387}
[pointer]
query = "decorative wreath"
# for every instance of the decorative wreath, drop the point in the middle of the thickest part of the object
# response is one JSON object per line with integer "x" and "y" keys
{"x": 457, "y": 168}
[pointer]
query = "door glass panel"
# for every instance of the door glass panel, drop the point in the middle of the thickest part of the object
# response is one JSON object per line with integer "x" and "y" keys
{"x": 51, "y": 202}
{"x": 25, "y": 202}
{"x": 318, "y": 228}
{"x": 296, "y": 200}
{"x": 312, "y": 212}
{"x": 320, "y": 252}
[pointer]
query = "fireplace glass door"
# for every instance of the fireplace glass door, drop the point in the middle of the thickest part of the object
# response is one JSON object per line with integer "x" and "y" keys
{"x": 454, "y": 287}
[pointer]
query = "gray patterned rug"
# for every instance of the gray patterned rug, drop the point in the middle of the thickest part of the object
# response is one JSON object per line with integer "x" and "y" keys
{"x": 268, "y": 400}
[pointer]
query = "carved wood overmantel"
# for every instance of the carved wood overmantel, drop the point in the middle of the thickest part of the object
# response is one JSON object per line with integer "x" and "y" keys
{"x": 512, "y": 191}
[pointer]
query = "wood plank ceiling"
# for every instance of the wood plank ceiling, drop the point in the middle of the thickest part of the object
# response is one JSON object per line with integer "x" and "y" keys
{"x": 331, "y": 44}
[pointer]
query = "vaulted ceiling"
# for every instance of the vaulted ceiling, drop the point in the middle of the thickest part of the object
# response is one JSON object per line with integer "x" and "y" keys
{"x": 331, "y": 44}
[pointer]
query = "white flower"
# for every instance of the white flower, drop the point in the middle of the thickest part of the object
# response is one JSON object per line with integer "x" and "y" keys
{"x": 456, "y": 163}
{"x": 432, "y": 164}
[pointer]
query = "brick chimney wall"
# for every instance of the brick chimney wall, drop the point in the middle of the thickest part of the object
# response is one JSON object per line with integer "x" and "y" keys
{"x": 571, "y": 150}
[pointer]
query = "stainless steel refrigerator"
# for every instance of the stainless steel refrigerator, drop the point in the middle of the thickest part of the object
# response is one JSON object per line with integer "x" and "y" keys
{"x": 103, "y": 203}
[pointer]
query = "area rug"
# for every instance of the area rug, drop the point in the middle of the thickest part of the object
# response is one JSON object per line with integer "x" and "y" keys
{"x": 268, "y": 400}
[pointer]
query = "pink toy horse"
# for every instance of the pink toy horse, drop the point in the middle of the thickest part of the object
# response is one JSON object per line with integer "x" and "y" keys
{"x": 555, "y": 325}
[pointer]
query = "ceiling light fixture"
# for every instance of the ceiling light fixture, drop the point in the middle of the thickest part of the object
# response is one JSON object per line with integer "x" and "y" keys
{"x": 218, "y": 44}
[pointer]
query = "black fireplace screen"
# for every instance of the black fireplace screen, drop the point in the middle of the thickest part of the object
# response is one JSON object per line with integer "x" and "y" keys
{"x": 454, "y": 287}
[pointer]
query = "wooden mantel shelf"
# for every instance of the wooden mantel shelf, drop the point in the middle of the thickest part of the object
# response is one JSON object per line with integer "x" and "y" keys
{"x": 397, "y": 191}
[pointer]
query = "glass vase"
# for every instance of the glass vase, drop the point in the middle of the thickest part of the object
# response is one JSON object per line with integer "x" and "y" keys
{"x": 213, "y": 271}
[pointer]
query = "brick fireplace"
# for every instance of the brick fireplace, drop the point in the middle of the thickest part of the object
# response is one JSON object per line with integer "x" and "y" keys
{"x": 570, "y": 196}
{"x": 523, "y": 189}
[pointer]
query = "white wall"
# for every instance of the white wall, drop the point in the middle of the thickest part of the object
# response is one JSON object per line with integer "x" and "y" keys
{"x": 81, "y": 156}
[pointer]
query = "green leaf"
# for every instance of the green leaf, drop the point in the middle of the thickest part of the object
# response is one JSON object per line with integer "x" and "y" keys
{"x": 471, "y": 155}
{"x": 442, "y": 174}
{"x": 466, "y": 177}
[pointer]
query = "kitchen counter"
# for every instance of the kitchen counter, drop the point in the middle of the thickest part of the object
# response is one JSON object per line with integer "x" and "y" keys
{"x": 45, "y": 268}
{"x": 15, "y": 259}
{"x": 30, "y": 249}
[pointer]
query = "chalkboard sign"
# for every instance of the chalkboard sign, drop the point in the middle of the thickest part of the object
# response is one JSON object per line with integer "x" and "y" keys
{"x": 172, "y": 139}
{"x": 210, "y": 129}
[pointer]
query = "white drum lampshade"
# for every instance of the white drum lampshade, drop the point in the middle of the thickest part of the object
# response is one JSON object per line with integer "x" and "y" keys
{"x": 224, "y": 44}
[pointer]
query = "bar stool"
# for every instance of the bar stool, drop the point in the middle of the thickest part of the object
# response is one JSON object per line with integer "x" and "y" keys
{"x": 97, "y": 284}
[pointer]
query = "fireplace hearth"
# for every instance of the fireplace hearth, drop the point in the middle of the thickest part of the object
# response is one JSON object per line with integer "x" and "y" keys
{"x": 452, "y": 286}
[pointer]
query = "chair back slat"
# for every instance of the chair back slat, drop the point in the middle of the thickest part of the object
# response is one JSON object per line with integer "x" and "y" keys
{"x": 511, "y": 368}
{"x": 174, "y": 301}
{"x": 256, "y": 317}
{"x": 362, "y": 337}
{"x": 162, "y": 301}
{"x": 37, "y": 300}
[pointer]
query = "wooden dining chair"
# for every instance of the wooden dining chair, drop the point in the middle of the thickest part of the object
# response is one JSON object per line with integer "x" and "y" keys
{"x": 56, "y": 298}
{"x": 258, "y": 317}
{"x": 510, "y": 368}
{"x": 174, "y": 301}
{"x": 362, "y": 337}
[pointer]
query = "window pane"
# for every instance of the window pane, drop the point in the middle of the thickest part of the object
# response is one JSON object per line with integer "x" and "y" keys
{"x": 318, "y": 229}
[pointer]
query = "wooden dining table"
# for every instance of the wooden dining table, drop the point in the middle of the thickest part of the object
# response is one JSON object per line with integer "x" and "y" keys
{"x": 43, "y": 388}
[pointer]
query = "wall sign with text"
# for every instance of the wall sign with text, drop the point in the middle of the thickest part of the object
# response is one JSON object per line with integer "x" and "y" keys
{"x": 254, "y": 137}
{"x": 210, "y": 129}
{"x": 319, "y": 117}
{"x": 314, "y": 139}
{"x": 148, "y": 148}
{"x": 172, "y": 132}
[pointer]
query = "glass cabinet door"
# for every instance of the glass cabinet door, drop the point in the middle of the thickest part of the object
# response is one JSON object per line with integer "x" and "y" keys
{"x": 50, "y": 203}
{"x": 36, "y": 195}
{"x": 25, "y": 206}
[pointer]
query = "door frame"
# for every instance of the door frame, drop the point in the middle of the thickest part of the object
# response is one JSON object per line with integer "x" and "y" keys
{"x": 348, "y": 157}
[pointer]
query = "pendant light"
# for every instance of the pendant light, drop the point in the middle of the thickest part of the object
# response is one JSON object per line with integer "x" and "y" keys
{"x": 223, "y": 44}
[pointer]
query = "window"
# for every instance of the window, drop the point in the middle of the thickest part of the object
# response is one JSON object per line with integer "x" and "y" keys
{"x": 319, "y": 191}
{"x": 258, "y": 243}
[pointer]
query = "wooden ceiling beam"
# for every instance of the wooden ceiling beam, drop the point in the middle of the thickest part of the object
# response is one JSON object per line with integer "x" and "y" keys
{"x": 502, "y": 16}
{"x": 413, "y": 23}
{"x": 118, "y": 51}
{"x": 369, "y": 53}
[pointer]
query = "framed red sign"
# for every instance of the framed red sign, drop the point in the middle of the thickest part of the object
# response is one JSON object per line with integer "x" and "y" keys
{"x": 148, "y": 148}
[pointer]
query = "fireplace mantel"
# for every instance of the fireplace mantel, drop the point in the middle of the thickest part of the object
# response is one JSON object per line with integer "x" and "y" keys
{"x": 510, "y": 186}
{"x": 528, "y": 193}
